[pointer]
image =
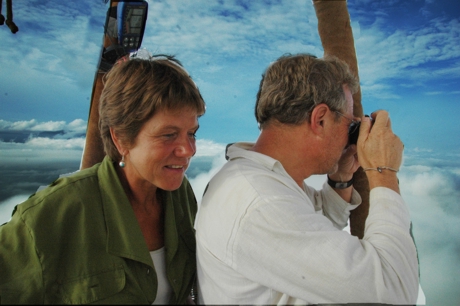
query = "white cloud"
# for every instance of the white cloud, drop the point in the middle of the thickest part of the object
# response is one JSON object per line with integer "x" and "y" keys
{"x": 41, "y": 143}
{"x": 20, "y": 125}
{"x": 415, "y": 56}
{"x": 200, "y": 182}
{"x": 7, "y": 206}
{"x": 432, "y": 195}
{"x": 61, "y": 147}
{"x": 49, "y": 126}
{"x": 417, "y": 149}
{"x": 42, "y": 151}
{"x": 77, "y": 125}
{"x": 226, "y": 29}
{"x": 58, "y": 144}
{"x": 209, "y": 148}
{"x": 60, "y": 42}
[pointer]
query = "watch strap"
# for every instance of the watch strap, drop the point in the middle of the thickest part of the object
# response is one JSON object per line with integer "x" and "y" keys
{"x": 339, "y": 185}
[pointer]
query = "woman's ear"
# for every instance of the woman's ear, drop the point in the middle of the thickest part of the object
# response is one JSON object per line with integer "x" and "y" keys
{"x": 116, "y": 140}
{"x": 318, "y": 118}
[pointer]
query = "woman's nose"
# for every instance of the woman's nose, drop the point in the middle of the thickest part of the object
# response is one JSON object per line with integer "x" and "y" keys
{"x": 187, "y": 148}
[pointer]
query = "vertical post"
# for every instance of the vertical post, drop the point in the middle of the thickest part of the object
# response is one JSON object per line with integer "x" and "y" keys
{"x": 9, "y": 16}
{"x": 336, "y": 35}
{"x": 93, "y": 151}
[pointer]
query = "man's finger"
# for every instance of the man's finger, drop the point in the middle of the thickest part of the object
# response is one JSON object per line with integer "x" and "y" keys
{"x": 381, "y": 119}
{"x": 364, "y": 129}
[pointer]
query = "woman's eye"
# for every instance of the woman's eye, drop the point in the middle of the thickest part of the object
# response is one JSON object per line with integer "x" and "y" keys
{"x": 169, "y": 135}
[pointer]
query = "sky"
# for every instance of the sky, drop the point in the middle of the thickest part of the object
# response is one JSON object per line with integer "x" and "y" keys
{"x": 408, "y": 53}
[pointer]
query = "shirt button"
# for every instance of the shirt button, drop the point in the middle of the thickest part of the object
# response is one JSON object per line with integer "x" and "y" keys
{"x": 148, "y": 271}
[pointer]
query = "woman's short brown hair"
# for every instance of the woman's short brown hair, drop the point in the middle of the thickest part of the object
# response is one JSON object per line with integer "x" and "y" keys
{"x": 135, "y": 90}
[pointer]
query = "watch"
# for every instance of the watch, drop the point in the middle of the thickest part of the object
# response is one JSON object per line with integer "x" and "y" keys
{"x": 339, "y": 185}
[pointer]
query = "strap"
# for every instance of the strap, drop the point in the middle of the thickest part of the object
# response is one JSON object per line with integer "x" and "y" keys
{"x": 379, "y": 169}
{"x": 339, "y": 185}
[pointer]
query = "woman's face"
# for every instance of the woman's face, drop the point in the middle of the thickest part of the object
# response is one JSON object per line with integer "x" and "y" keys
{"x": 162, "y": 150}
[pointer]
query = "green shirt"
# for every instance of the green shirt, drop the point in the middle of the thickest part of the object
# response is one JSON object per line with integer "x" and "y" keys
{"x": 78, "y": 241}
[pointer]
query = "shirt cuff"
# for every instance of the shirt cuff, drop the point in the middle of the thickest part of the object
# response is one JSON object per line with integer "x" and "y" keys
{"x": 356, "y": 199}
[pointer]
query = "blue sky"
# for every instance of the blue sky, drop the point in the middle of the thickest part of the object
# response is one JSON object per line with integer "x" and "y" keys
{"x": 409, "y": 64}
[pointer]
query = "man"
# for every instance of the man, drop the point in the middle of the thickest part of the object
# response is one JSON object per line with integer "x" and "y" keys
{"x": 265, "y": 237}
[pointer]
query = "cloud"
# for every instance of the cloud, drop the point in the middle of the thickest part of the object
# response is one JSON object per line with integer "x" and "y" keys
{"x": 227, "y": 29}
{"x": 437, "y": 184}
{"x": 34, "y": 143}
{"x": 42, "y": 150}
{"x": 432, "y": 195}
{"x": 209, "y": 148}
{"x": 64, "y": 40}
{"x": 33, "y": 125}
{"x": 433, "y": 158}
{"x": 7, "y": 206}
{"x": 200, "y": 181}
{"x": 71, "y": 50}
{"x": 61, "y": 144}
{"x": 76, "y": 126}
{"x": 412, "y": 55}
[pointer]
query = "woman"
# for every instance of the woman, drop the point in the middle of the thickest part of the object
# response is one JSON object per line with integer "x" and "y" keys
{"x": 121, "y": 231}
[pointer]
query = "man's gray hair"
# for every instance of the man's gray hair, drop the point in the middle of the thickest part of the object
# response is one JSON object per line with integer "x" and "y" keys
{"x": 293, "y": 85}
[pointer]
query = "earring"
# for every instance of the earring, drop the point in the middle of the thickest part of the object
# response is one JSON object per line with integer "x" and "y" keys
{"x": 122, "y": 163}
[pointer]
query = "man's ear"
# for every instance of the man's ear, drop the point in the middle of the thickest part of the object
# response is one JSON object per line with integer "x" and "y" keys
{"x": 318, "y": 118}
{"x": 116, "y": 140}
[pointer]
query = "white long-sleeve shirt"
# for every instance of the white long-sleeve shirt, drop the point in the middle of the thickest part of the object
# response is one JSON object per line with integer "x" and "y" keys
{"x": 261, "y": 239}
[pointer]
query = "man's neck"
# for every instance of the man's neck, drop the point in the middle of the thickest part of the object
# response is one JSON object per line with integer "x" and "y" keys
{"x": 289, "y": 145}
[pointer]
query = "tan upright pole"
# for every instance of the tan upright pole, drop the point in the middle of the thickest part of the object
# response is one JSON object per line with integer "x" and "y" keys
{"x": 93, "y": 152}
{"x": 337, "y": 39}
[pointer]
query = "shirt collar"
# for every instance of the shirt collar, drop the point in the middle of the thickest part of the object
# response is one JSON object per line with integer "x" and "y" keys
{"x": 124, "y": 235}
{"x": 243, "y": 150}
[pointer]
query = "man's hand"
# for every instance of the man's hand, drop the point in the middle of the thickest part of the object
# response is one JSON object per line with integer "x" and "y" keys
{"x": 378, "y": 146}
{"x": 348, "y": 164}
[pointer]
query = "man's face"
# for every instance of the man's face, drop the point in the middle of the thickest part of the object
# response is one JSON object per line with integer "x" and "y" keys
{"x": 339, "y": 135}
